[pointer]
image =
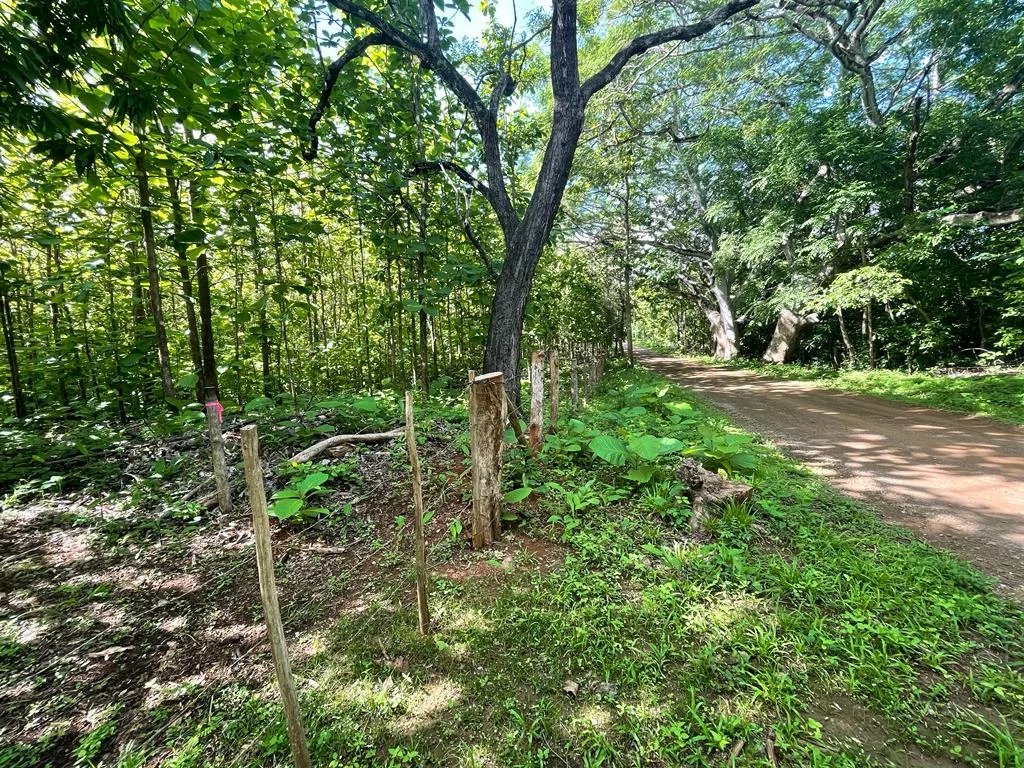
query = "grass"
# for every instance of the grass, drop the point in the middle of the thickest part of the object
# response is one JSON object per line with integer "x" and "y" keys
{"x": 798, "y": 625}
{"x": 998, "y": 396}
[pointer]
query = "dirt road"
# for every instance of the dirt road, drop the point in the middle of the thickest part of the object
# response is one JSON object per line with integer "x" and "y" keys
{"x": 955, "y": 479}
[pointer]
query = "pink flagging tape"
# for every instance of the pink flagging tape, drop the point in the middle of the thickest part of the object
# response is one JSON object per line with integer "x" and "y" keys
{"x": 218, "y": 408}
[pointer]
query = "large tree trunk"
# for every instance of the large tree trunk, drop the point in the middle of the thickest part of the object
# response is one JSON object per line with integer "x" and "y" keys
{"x": 523, "y": 250}
{"x": 722, "y": 320}
{"x": 786, "y": 339}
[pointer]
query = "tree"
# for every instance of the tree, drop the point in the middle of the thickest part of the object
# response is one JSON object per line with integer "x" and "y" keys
{"x": 524, "y": 232}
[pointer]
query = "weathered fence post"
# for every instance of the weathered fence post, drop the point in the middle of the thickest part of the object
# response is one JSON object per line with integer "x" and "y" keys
{"x": 417, "y": 497}
{"x": 214, "y": 415}
{"x": 554, "y": 373}
{"x": 487, "y": 422}
{"x": 536, "y": 401}
{"x": 268, "y": 594}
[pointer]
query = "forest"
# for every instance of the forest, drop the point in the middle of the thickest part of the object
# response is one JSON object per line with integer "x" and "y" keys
{"x": 653, "y": 220}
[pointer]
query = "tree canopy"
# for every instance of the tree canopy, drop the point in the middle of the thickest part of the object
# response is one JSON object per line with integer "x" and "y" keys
{"x": 270, "y": 199}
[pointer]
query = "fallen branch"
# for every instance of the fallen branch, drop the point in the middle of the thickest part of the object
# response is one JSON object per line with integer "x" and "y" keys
{"x": 769, "y": 747}
{"x": 370, "y": 437}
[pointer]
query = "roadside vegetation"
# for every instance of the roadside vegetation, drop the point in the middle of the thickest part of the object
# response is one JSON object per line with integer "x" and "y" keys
{"x": 796, "y": 630}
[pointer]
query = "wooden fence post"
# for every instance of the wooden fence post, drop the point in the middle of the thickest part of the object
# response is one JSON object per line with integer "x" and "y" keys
{"x": 268, "y": 594}
{"x": 554, "y": 373}
{"x": 489, "y": 414}
{"x": 417, "y": 497}
{"x": 214, "y": 414}
{"x": 536, "y": 401}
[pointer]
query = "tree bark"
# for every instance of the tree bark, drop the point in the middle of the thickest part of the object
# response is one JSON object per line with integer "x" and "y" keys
{"x": 722, "y": 320}
{"x": 7, "y": 321}
{"x": 851, "y": 354}
{"x": 789, "y": 327}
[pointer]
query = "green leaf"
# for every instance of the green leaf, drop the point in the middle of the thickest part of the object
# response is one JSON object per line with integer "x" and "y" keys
{"x": 609, "y": 449}
{"x": 285, "y": 508}
{"x": 670, "y": 445}
{"x": 678, "y": 408}
{"x": 641, "y": 474}
{"x": 258, "y": 404}
{"x": 309, "y": 482}
{"x": 514, "y": 497}
{"x": 367, "y": 404}
{"x": 647, "y": 447}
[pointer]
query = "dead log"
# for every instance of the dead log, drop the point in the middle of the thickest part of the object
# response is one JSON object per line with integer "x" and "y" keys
{"x": 370, "y": 437}
{"x": 708, "y": 490}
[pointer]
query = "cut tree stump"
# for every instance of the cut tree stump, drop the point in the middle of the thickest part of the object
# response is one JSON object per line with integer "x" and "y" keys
{"x": 488, "y": 417}
{"x": 708, "y": 490}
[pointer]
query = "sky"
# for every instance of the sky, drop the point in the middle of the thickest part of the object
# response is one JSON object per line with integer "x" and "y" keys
{"x": 473, "y": 27}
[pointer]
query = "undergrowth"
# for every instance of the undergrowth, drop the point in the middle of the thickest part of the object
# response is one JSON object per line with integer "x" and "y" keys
{"x": 797, "y": 630}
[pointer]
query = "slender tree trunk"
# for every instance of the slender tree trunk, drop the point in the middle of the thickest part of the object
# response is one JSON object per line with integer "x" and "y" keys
{"x": 628, "y": 275}
{"x": 115, "y": 345}
{"x": 210, "y": 382}
{"x": 869, "y": 332}
{"x": 56, "y": 297}
{"x": 7, "y": 322}
{"x": 281, "y": 299}
{"x": 153, "y": 272}
{"x": 181, "y": 251}
{"x": 264, "y": 329}
{"x": 910, "y": 162}
{"x": 850, "y": 353}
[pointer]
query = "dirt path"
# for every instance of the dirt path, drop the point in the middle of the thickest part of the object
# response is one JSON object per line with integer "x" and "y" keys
{"x": 955, "y": 479}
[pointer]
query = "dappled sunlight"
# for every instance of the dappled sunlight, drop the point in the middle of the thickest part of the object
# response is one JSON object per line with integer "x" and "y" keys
{"x": 727, "y": 609}
{"x": 468, "y": 619}
{"x": 366, "y": 694}
{"x": 593, "y": 717}
{"x": 232, "y": 633}
{"x": 745, "y": 707}
{"x": 425, "y": 707}
{"x": 65, "y": 548}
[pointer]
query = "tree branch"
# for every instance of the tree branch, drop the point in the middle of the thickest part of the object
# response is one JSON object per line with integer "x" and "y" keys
{"x": 991, "y": 218}
{"x": 439, "y": 166}
{"x": 644, "y": 43}
{"x": 432, "y": 58}
{"x": 356, "y": 48}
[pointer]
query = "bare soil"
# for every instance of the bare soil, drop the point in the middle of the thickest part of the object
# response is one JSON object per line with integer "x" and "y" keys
{"x": 956, "y": 480}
